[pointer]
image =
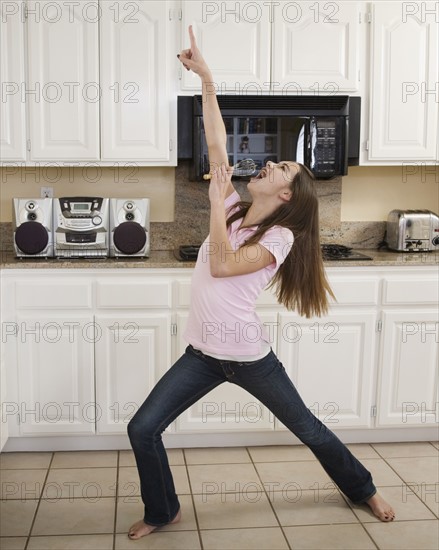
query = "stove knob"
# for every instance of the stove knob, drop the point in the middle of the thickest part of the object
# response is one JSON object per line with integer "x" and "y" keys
{"x": 97, "y": 220}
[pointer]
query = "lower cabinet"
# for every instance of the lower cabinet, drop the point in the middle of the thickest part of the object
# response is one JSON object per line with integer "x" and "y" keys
{"x": 82, "y": 349}
{"x": 408, "y": 393}
{"x": 131, "y": 353}
{"x": 55, "y": 365}
{"x": 331, "y": 362}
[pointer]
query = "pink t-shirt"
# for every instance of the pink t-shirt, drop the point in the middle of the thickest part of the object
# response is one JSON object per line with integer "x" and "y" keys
{"x": 222, "y": 317}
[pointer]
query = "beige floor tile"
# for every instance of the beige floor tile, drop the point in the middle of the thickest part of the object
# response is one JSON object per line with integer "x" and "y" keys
{"x": 311, "y": 508}
{"x": 90, "y": 483}
{"x": 129, "y": 482}
{"x": 13, "y": 543}
{"x": 429, "y": 494}
{"x": 329, "y": 537}
{"x": 228, "y": 455}
{"x": 362, "y": 450}
{"x": 234, "y": 511}
{"x": 264, "y": 538}
{"x": 76, "y": 516}
{"x": 22, "y": 484}
{"x": 417, "y": 469}
{"x": 175, "y": 457}
{"x": 409, "y": 449}
{"x": 24, "y": 460}
{"x": 280, "y": 453}
{"x": 71, "y": 542}
{"x": 187, "y": 540}
{"x": 403, "y": 500}
{"x": 130, "y": 510}
{"x": 85, "y": 459}
{"x": 382, "y": 473}
{"x": 280, "y": 476}
{"x": 221, "y": 478}
{"x": 405, "y": 535}
{"x": 16, "y": 517}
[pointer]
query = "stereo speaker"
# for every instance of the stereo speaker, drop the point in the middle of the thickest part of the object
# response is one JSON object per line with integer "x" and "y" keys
{"x": 129, "y": 227}
{"x": 32, "y": 224}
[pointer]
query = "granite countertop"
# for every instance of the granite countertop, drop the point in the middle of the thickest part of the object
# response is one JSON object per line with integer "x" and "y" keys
{"x": 167, "y": 259}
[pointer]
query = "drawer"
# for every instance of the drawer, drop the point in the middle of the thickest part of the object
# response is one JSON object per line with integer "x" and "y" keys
{"x": 133, "y": 294}
{"x": 411, "y": 290}
{"x": 348, "y": 291}
{"x": 71, "y": 294}
{"x": 360, "y": 291}
{"x": 183, "y": 293}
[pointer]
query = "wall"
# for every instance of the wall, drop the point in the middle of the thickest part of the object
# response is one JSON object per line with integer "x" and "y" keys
{"x": 353, "y": 209}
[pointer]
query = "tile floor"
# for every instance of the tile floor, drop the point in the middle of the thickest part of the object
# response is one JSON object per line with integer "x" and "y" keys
{"x": 232, "y": 498}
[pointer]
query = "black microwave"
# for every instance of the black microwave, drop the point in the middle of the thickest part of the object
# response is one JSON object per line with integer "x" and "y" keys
{"x": 322, "y": 132}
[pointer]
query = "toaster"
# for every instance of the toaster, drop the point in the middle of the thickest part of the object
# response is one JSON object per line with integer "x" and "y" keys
{"x": 413, "y": 230}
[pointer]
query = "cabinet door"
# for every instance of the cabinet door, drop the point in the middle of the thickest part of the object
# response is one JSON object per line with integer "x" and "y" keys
{"x": 132, "y": 352}
{"x": 64, "y": 79}
{"x": 138, "y": 50}
{"x": 331, "y": 362}
{"x": 408, "y": 393}
{"x": 56, "y": 374}
{"x": 234, "y": 38}
{"x": 404, "y": 73}
{"x": 12, "y": 107}
{"x": 315, "y": 47}
{"x": 228, "y": 407}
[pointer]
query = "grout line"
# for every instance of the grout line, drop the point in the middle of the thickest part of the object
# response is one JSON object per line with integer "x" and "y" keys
{"x": 269, "y": 501}
{"x": 39, "y": 502}
{"x": 192, "y": 499}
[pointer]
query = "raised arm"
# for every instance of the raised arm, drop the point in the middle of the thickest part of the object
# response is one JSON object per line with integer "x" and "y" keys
{"x": 214, "y": 128}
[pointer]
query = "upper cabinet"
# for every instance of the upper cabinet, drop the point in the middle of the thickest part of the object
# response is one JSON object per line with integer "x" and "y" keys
{"x": 101, "y": 81}
{"x": 282, "y": 47}
{"x": 138, "y": 100}
{"x": 234, "y": 38}
{"x": 404, "y": 82}
{"x": 63, "y": 55}
{"x": 12, "y": 107}
{"x": 316, "y": 47}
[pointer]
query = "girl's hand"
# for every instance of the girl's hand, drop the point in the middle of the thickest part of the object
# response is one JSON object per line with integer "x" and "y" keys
{"x": 192, "y": 58}
{"x": 220, "y": 183}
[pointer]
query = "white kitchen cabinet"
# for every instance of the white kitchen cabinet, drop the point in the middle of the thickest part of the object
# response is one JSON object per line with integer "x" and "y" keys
{"x": 137, "y": 55}
{"x": 404, "y": 82}
{"x": 55, "y": 363}
{"x": 255, "y": 47}
{"x": 408, "y": 385}
{"x": 316, "y": 47}
{"x": 132, "y": 353}
{"x": 331, "y": 362}
{"x": 63, "y": 65}
{"x": 408, "y": 369}
{"x": 12, "y": 106}
{"x": 234, "y": 38}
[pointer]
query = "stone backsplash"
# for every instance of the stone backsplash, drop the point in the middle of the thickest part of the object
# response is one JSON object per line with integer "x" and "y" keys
{"x": 191, "y": 224}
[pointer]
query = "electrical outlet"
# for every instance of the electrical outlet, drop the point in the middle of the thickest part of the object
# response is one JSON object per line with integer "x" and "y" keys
{"x": 46, "y": 192}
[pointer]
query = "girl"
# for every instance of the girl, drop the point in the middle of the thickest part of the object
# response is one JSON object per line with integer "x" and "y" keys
{"x": 272, "y": 240}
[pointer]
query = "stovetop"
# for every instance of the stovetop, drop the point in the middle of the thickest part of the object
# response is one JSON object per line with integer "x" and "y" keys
{"x": 336, "y": 252}
{"x": 330, "y": 252}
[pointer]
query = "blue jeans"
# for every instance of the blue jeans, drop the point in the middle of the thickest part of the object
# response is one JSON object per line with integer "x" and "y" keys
{"x": 192, "y": 377}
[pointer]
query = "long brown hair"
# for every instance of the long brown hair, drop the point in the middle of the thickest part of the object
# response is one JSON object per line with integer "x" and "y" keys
{"x": 300, "y": 282}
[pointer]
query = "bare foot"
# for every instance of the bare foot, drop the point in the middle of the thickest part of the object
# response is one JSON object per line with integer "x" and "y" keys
{"x": 381, "y": 508}
{"x": 141, "y": 529}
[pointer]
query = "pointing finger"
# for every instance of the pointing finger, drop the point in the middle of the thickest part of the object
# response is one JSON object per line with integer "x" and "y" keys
{"x": 192, "y": 38}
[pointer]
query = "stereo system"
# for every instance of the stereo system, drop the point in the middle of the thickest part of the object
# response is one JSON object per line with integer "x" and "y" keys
{"x": 81, "y": 227}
